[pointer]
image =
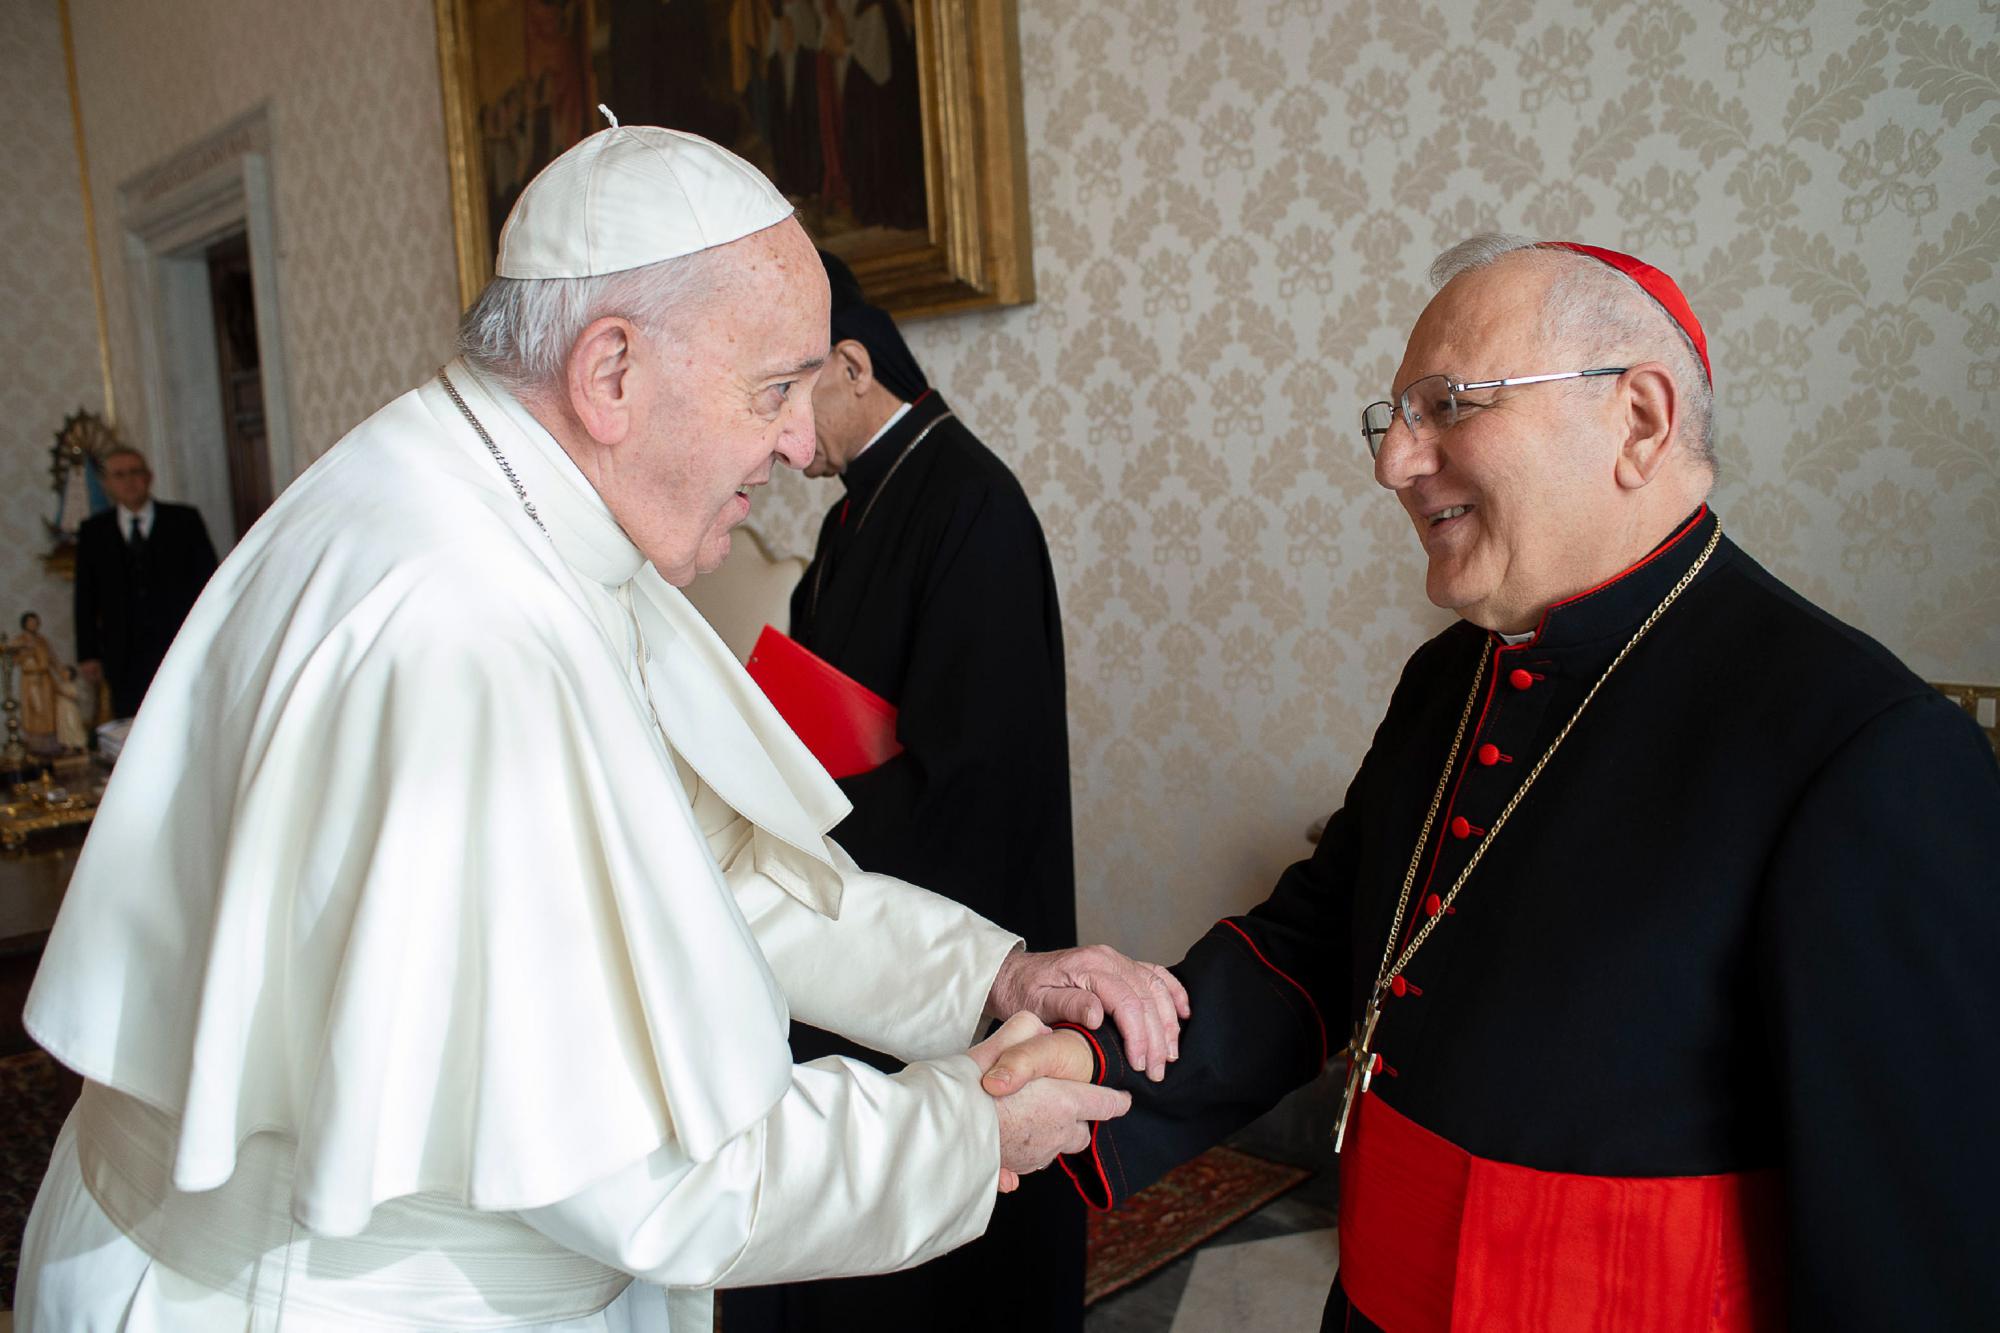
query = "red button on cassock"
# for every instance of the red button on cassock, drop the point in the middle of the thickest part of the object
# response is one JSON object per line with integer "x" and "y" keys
{"x": 1489, "y": 754}
{"x": 1433, "y": 905}
{"x": 1399, "y": 986}
{"x": 1461, "y": 827}
{"x": 1520, "y": 678}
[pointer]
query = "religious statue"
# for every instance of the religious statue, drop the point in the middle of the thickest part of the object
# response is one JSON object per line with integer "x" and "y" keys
{"x": 37, "y": 663}
{"x": 72, "y": 732}
{"x": 74, "y": 463}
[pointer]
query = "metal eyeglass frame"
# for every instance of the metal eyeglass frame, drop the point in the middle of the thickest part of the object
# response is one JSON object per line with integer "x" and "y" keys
{"x": 1372, "y": 435}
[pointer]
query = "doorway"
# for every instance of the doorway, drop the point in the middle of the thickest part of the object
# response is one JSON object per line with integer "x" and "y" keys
{"x": 239, "y": 379}
{"x": 202, "y": 277}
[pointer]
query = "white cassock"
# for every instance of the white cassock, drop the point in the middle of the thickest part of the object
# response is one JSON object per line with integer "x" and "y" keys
{"x": 431, "y": 957}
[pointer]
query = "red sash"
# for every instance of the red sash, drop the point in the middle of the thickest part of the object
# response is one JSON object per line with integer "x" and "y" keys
{"x": 1433, "y": 1239}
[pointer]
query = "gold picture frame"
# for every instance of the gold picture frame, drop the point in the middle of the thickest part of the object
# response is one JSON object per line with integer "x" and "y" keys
{"x": 1981, "y": 701}
{"x": 974, "y": 249}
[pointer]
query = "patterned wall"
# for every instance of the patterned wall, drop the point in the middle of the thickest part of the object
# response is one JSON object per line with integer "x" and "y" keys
{"x": 48, "y": 332}
{"x": 363, "y": 205}
{"x": 1234, "y": 204}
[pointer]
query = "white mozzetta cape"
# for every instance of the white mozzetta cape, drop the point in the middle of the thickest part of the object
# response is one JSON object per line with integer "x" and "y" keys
{"x": 397, "y": 866}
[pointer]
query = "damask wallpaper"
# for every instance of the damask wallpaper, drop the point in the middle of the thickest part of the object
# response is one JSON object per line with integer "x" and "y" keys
{"x": 363, "y": 206}
{"x": 1234, "y": 202}
{"x": 48, "y": 332}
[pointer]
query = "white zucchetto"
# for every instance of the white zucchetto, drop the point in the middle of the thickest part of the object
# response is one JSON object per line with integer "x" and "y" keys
{"x": 634, "y": 195}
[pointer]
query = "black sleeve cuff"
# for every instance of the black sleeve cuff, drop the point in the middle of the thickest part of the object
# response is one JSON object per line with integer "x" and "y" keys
{"x": 1086, "y": 1169}
{"x": 1255, "y": 1034}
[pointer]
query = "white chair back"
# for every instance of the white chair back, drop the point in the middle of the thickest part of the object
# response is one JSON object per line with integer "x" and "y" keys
{"x": 752, "y": 589}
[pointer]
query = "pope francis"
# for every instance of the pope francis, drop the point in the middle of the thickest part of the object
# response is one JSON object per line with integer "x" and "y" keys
{"x": 430, "y": 961}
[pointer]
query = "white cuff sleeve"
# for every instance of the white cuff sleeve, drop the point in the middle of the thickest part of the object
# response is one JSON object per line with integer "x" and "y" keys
{"x": 853, "y": 1172}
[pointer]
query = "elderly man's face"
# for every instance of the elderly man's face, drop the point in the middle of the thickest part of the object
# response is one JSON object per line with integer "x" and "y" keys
{"x": 732, "y": 400}
{"x": 1515, "y": 504}
{"x": 128, "y": 480}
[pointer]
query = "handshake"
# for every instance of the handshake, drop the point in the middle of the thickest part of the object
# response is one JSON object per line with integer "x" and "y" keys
{"x": 1039, "y": 1078}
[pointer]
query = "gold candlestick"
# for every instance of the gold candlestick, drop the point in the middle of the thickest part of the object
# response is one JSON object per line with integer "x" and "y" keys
{"x": 16, "y": 764}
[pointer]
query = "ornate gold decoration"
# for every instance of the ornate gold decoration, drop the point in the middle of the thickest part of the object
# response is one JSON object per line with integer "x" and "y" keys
{"x": 89, "y": 216}
{"x": 461, "y": 145}
{"x": 49, "y": 813}
{"x": 1982, "y": 701}
{"x": 1220, "y": 271}
{"x": 84, "y": 439}
{"x": 14, "y": 757}
{"x": 979, "y": 250}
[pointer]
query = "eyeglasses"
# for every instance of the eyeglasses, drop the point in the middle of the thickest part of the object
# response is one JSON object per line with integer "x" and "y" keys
{"x": 1431, "y": 404}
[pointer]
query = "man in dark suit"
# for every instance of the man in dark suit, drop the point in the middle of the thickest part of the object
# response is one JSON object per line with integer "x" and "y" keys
{"x": 139, "y": 566}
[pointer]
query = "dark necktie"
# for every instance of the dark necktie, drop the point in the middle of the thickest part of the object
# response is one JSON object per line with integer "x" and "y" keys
{"x": 136, "y": 545}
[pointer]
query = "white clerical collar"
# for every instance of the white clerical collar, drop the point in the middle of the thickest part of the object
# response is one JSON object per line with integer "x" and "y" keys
{"x": 894, "y": 417}
{"x": 1511, "y": 639}
{"x": 144, "y": 515}
{"x": 580, "y": 524}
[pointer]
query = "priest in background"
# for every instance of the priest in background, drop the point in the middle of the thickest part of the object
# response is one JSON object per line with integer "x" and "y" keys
{"x": 430, "y": 958}
{"x": 931, "y": 585}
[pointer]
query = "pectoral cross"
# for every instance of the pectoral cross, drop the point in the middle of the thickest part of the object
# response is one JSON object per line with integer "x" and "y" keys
{"x": 1360, "y": 1065}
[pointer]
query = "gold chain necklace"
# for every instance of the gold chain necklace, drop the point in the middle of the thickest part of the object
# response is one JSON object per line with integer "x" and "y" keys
{"x": 1360, "y": 1047}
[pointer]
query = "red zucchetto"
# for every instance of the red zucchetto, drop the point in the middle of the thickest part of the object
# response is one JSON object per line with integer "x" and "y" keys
{"x": 1656, "y": 284}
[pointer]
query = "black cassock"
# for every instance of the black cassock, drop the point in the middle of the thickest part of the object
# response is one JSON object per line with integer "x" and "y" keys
{"x": 1745, "y": 926}
{"x": 931, "y": 585}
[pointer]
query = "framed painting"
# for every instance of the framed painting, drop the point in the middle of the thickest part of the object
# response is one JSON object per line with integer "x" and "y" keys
{"x": 894, "y": 125}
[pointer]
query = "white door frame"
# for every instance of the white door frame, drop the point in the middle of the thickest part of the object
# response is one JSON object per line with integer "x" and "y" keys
{"x": 169, "y": 215}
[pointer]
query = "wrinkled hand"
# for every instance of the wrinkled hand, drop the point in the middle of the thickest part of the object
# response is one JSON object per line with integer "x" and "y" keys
{"x": 1020, "y": 1029}
{"x": 1052, "y": 1106}
{"x": 1080, "y": 985}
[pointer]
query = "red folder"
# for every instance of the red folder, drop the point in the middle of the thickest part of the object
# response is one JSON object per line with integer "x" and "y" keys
{"x": 848, "y": 727}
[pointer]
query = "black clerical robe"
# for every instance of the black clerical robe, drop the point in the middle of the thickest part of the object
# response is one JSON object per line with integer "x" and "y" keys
{"x": 931, "y": 585}
{"x": 1722, "y": 985}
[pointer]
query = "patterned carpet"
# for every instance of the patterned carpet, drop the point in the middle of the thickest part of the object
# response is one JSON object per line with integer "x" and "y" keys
{"x": 1178, "y": 1212}
{"x": 35, "y": 1096}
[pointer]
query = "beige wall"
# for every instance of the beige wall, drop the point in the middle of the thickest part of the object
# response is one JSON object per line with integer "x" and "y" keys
{"x": 1234, "y": 204}
{"x": 363, "y": 229}
{"x": 48, "y": 333}
{"x": 363, "y": 207}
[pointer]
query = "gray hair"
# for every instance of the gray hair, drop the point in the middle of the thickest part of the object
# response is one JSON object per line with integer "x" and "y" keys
{"x": 521, "y": 330}
{"x": 1604, "y": 314}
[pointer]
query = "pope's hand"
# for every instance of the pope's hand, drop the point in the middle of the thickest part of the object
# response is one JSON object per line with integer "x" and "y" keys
{"x": 1080, "y": 985}
{"x": 1052, "y": 1104}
